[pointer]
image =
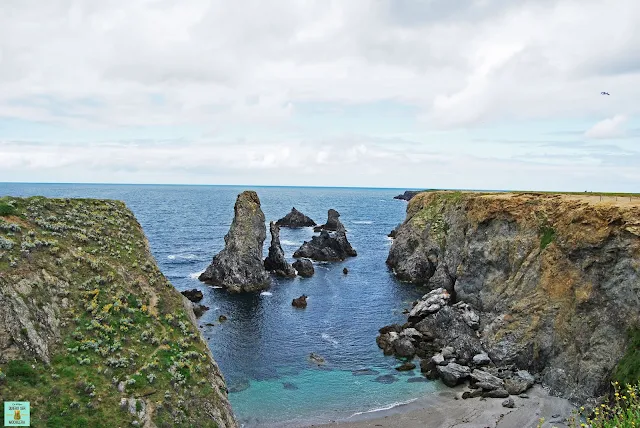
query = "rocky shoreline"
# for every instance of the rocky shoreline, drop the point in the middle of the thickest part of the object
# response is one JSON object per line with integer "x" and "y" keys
{"x": 521, "y": 288}
{"x": 444, "y": 338}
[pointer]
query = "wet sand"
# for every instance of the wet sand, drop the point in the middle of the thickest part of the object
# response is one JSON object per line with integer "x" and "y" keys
{"x": 444, "y": 410}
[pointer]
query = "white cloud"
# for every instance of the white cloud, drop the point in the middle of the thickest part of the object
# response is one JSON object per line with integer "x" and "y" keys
{"x": 460, "y": 62}
{"x": 608, "y": 128}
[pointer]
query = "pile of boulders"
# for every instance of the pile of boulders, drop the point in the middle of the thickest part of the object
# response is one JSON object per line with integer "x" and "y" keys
{"x": 445, "y": 338}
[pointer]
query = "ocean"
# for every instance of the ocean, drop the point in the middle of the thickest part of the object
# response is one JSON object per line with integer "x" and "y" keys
{"x": 263, "y": 348}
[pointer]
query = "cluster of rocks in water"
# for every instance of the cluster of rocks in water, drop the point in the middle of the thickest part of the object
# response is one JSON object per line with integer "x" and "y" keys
{"x": 239, "y": 266}
{"x": 445, "y": 338}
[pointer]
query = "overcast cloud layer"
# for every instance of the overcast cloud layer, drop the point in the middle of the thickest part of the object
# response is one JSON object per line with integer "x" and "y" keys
{"x": 495, "y": 94}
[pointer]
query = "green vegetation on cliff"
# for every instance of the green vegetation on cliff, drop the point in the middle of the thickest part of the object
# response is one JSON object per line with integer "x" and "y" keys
{"x": 628, "y": 368}
{"x": 90, "y": 329}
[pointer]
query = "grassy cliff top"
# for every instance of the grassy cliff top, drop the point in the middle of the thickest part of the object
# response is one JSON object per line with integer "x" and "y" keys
{"x": 90, "y": 329}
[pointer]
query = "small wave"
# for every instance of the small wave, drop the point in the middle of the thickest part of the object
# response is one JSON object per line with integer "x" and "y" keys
{"x": 290, "y": 243}
{"x": 328, "y": 338}
{"x": 362, "y": 222}
{"x": 266, "y": 293}
{"x": 382, "y": 409}
{"x": 184, "y": 258}
{"x": 216, "y": 286}
{"x": 195, "y": 275}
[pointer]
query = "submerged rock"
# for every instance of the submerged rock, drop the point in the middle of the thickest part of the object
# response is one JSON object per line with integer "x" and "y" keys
{"x": 405, "y": 367}
{"x": 290, "y": 386}
{"x": 365, "y": 372}
{"x": 304, "y": 267}
{"x": 388, "y": 378}
{"x": 318, "y": 359}
{"x": 295, "y": 219}
{"x": 330, "y": 247}
{"x": 332, "y": 222}
{"x": 194, "y": 295}
{"x": 199, "y": 309}
{"x": 239, "y": 266}
{"x": 276, "y": 262}
{"x": 300, "y": 302}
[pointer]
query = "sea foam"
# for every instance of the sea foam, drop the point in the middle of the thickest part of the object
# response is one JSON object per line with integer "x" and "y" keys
{"x": 382, "y": 409}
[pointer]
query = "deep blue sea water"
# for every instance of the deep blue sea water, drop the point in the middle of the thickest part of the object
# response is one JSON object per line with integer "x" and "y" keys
{"x": 264, "y": 346}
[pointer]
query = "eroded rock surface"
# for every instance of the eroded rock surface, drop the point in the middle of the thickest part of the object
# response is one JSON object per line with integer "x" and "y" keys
{"x": 328, "y": 246}
{"x": 239, "y": 266}
{"x": 295, "y": 219}
{"x": 537, "y": 283}
{"x": 276, "y": 262}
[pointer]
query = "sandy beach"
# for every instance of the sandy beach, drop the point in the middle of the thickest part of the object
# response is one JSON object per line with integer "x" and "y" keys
{"x": 443, "y": 409}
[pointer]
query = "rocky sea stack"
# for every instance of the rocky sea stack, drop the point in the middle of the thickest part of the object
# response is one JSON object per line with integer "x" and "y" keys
{"x": 295, "y": 219}
{"x": 91, "y": 332}
{"x": 328, "y": 246}
{"x": 332, "y": 222}
{"x": 239, "y": 266}
{"x": 276, "y": 262}
{"x": 523, "y": 283}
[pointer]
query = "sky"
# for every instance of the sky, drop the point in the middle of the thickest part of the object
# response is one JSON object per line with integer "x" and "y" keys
{"x": 463, "y": 94}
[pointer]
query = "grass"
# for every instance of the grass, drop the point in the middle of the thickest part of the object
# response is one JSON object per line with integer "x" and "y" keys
{"x": 627, "y": 371}
{"x": 623, "y": 411}
{"x": 112, "y": 331}
{"x": 7, "y": 209}
{"x": 548, "y": 235}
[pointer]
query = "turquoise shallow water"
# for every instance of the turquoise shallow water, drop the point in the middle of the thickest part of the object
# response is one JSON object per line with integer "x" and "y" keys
{"x": 265, "y": 344}
{"x": 340, "y": 393}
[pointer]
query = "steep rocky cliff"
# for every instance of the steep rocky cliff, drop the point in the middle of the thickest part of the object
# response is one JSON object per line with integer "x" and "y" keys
{"x": 555, "y": 279}
{"x": 91, "y": 332}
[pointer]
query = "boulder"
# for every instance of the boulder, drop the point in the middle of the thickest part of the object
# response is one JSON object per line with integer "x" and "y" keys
{"x": 453, "y": 374}
{"x": 276, "y": 262}
{"x": 472, "y": 394}
{"x": 429, "y": 369}
{"x": 222, "y": 318}
{"x": 304, "y": 267}
{"x": 430, "y": 303}
{"x": 508, "y": 403}
{"x": 194, "y": 295}
{"x": 239, "y": 266}
{"x": 439, "y": 360}
{"x": 519, "y": 383}
{"x": 345, "y": 271}
{"x": 486, "y": 380}
{"x": 481, "y": 359}
{"x": 332, "y": 222}
{"x": 496, "y": 393}
{"x": 403, "y": 347}
{"x": 295, "y": 219}
{"x": 300, "y": 302}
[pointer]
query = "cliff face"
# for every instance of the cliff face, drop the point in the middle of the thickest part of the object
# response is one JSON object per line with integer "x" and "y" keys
{"x": 554, "y": 278}
{"x": 90, "y": 329}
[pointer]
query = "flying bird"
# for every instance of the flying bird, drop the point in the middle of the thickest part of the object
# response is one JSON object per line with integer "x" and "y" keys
{"x": 604, "y": 93}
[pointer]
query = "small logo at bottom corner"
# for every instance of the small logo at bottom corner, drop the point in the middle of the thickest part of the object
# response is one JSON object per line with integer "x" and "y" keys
{"x": 17, "y": 414}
